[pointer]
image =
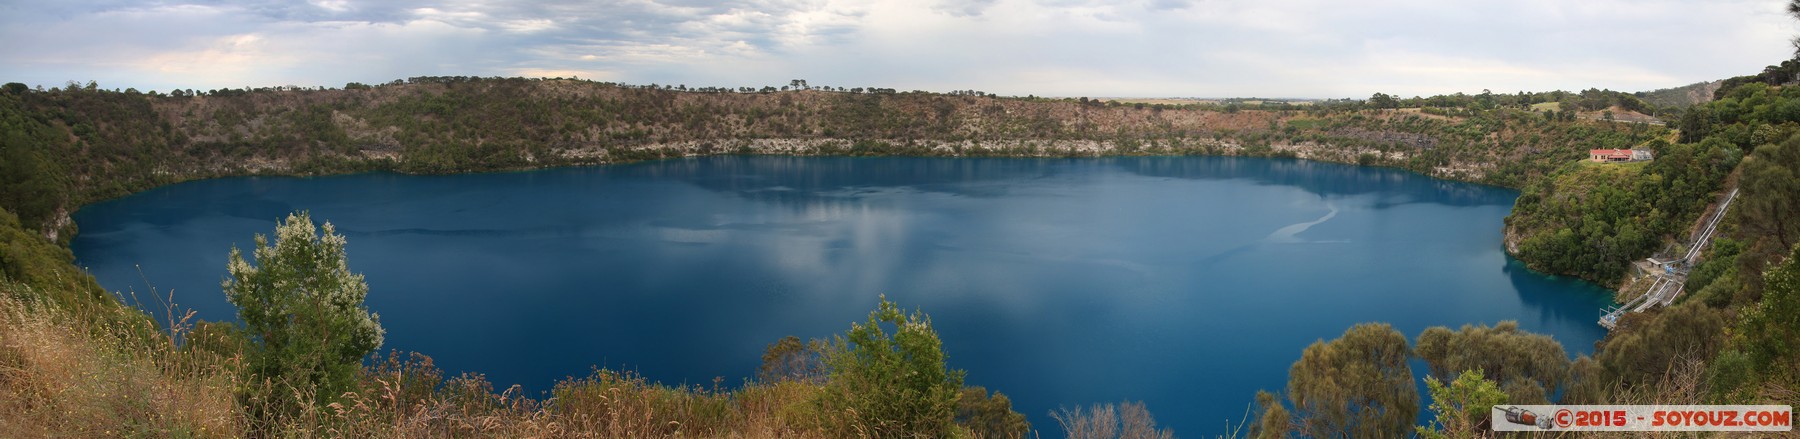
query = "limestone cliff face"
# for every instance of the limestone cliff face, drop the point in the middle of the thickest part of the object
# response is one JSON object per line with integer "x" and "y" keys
{"x": 1510, "y": 236}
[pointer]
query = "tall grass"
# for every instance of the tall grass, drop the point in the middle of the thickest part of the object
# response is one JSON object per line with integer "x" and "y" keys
{"x": 104, "y": 374}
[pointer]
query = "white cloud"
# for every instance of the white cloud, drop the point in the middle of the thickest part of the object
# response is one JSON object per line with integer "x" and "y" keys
{"x": 331, "y": 5}
{"x": 1316, "y": 48}
{"x": 592, "y": 75}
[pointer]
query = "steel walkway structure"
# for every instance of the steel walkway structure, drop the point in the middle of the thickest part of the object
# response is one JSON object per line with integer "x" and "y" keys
{"x": 1673, "y": 277}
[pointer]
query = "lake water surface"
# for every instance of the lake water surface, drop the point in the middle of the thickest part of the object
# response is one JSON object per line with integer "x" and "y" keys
{"x": 1185, "y": 282}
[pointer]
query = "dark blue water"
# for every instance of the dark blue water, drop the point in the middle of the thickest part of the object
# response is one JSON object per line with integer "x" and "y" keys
{"x": 1188, "y": 283}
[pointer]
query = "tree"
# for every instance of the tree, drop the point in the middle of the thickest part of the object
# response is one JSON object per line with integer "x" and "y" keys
{"x": 303, "y": 312}
{"x": 1358, "y": 385}
{"x": 1771, "y": 181}
{"x": 791, "y": 359}
{"x": 1531, "y": 367}
{"x": 1695, "y": 124}
{"x": 1462, "y": 408}
{"x": 1273, "y": 422}
{"x": 891, "y": 386}
{"x": 1643, "y": 347}
{"x": 1793, "y": 10}
{"x": 989, "y": 416}
{"x": 1770, "y": 331}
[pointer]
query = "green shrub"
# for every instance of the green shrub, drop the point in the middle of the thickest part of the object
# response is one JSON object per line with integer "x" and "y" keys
{"x": 1769, "y": 332}
{"x": 1463, "y": 406}
{"x": 890, "y": 386}
{"x": 303, "y": 314}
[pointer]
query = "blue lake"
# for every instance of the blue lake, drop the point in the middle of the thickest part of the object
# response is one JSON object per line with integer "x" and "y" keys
{"x": 1185, "y": 282}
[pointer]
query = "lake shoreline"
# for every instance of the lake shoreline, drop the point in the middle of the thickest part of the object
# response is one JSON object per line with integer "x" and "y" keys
{"x": 63, "y": 226}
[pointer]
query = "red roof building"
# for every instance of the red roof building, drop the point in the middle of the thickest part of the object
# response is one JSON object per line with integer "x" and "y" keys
{"x": 1610, "y": 155}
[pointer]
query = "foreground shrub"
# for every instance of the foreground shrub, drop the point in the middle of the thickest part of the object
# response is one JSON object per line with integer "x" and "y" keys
{"x": 890, "y": 386}
{"x": 1528, "y": 367}
{"x": 1463, "y": 407}
{"x": 1358, "y": 385}
{"x": 303, "y": 313}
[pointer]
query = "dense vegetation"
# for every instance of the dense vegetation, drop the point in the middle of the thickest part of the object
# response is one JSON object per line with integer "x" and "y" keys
{"x": 1592, "y": 219}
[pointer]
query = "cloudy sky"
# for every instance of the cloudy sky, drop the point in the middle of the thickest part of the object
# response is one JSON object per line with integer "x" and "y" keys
{"x": 1148, "y": 48}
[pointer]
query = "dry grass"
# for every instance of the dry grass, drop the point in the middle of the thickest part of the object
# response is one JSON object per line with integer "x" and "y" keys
{"x": 1125, "y": 420}
{"x": 62, "y": 377}
{"x": 405, "y": 398}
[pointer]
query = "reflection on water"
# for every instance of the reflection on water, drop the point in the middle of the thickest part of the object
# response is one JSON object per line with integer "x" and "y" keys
{"x": 1186, "y": 282}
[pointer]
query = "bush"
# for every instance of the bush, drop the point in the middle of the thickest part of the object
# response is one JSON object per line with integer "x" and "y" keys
{"x": 989, "y": 416}
{"x": 1358, "y": 385}
{"x": 1530, "y": 367}
{"x": 303, "y": 314}
{"x": 1770, "y": 331}
{"x": 792, "y": 360}
{"x": 891, "y": 386}
{"x": 1463, "y": 406}
{"x": 1645, "y": 346}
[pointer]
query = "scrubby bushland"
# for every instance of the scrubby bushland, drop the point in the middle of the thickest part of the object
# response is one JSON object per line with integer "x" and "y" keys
{"x": 1766, "y": 342}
